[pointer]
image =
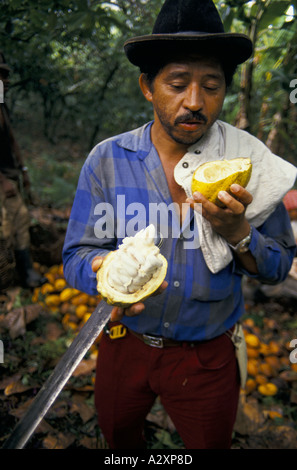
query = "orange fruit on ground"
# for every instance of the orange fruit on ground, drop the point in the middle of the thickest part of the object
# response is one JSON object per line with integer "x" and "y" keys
{"x": 252, "y": 353}
{"x": 54, "y": 269}
{"x": 50, "y": 277}
{"x": 294, "y": 366}
{"x": 52, "y": 300}
{"x": 250, "y": 386}
{"x": 80, "y": 299}
{"x": 60, "y": 284}
{"x": 273, "y": 361}
{"x": 266, "y": 369}
{"x": 274, "y": 414}
{"x": 81, "y": 310}
{"x": 46, "y": 288}
{"x": 252, "y": 367}
{"x": 86, "y": 317}
{"x": 269, "y": 389}
{"x": 252, "y": 340}
{"x": 264, "y": 349}
{"x": 275, "y": 347}
{"x": 261, "y": 379}
{"x": 249, "y": 322}
{"x": 284, "y": 360}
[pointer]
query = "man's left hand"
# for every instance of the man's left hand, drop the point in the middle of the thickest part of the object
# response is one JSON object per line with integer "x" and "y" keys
{"x": 229, "y": 221}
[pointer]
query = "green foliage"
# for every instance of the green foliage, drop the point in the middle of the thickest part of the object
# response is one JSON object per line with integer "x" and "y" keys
{"x": 54, "y": 182}
{"x": 70, "y": 70}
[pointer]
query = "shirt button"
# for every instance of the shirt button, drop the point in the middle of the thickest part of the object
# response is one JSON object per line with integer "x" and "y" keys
{"x": 176, "y": 284}
{"x": 185, "y": 165}
{"x": 166, "y": 324}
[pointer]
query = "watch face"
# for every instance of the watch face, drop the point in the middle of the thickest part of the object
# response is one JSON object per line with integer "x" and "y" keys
{"x": 244, "y": 248}
{"x": 244, "y": 245}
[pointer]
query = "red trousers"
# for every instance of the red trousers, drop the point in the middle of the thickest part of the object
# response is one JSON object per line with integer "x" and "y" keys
{"x": 198, "y": 386}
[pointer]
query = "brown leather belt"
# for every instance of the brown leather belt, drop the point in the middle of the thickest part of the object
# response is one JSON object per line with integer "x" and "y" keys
{"x": 158, "y": 341}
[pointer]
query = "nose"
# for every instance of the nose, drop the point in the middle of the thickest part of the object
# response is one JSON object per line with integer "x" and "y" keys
{"x": 193, "y": 98}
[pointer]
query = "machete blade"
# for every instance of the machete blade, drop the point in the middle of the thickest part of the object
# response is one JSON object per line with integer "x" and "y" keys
{"x": 58, "y": 378}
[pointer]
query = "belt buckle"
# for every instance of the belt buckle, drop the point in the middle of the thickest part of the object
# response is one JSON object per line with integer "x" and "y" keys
{"x": 117, "y": 331}
{"x": 153, "y": 341}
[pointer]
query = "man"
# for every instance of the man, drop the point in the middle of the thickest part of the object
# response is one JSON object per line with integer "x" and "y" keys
{"x": 185, "y": 64}
{"x": 14, "y": 213}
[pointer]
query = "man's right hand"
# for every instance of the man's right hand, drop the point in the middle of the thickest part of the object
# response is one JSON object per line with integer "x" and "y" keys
{"x": 117, "y": 313}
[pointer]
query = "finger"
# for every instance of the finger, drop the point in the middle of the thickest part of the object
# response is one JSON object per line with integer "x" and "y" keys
{"x": 203, "y": 206}
{"x": 241, "y": 194}
{"x": 161, "y": 289}
{"x": 117, "y": 314}
{"x": 198, "y": 202}
{"x": 96, "y": 263}
{"x": 135, "y": 309}
{"x": 231, "y": 203}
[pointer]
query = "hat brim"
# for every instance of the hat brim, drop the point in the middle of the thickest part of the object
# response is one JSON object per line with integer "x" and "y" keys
{"x": 143, "y": 51}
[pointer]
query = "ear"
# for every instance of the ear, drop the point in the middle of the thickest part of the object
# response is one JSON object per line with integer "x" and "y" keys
{"x": 146, "y": 91}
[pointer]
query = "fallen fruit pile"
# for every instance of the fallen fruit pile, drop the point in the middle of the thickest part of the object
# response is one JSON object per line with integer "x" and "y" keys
{"x": 269, "y": 367}
{"x": 58, "y": 297}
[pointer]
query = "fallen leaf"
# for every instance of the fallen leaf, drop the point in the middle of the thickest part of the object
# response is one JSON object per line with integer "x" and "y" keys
{"x": 17, "y": 387}
{"x": 53, "y": 331}
{"x": 58, "y": 441}
{"x": 288, "y": 375}
{"x": 85, "y": 367}
{"x": 89, "y": 442}
{"x": 249, "y": 416}
{"x": 84, "y": 411}
{"x": 8, "y": 380}
{"x": 15, "y": 322}
{"x": 32, "y": 312}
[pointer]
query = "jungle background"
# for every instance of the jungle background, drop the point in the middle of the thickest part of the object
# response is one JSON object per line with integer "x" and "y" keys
{"x": 71, "y": 86}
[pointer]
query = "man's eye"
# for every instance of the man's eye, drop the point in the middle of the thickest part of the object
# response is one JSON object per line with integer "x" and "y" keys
{"x": 177, "y": 86}
{"x": 211, "y": 87}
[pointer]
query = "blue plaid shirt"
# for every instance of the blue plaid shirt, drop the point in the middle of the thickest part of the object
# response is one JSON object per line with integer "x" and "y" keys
{"x": 125, "y": 171}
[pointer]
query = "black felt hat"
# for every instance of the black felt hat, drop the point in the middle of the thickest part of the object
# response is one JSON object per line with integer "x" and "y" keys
{"x": 187, "y": 25}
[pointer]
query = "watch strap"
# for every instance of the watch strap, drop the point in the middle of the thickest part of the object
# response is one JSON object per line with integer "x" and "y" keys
{"x": 243, "y": 245}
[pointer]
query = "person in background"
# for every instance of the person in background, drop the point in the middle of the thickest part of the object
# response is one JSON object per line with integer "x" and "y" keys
{"x": 15, "y": 218}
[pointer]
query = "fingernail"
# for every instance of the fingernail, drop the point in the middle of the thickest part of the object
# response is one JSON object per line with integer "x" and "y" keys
{"x": 235, "y": 188}
{"x": 222, "y": 194}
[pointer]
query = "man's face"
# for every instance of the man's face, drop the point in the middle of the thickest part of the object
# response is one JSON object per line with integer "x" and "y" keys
{"x": 187, "y": 96}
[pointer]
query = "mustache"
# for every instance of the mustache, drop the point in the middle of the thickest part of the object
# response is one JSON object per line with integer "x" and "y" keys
{"x": 191, "y": 116}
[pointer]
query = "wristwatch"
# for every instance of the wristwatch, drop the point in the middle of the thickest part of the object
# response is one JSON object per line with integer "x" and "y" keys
{"x": 243, "y": 245}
